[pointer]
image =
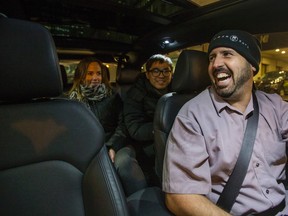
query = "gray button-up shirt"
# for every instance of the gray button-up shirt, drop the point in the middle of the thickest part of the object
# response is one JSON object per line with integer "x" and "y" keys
{"x": 204, "y": 144}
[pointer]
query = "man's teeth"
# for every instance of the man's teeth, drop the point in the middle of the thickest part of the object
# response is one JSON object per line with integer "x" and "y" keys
{"x": 222, "y": 75}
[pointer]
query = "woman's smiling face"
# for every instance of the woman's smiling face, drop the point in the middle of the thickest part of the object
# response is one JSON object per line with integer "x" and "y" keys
{"x": 94, "y": 75}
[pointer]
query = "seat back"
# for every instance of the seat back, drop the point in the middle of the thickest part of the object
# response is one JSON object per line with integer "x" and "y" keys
{"x": 189, "y": 79}
{"x": 66, "y": 86}
{"x": 52, "y": 160}
{"x": 126, "y": 77}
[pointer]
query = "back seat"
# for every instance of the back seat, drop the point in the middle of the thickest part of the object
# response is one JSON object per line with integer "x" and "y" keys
{"x": 126, "y": 77}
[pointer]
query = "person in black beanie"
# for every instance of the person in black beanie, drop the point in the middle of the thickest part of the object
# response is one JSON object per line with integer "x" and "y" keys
{"x": 244, "y": 43}
{"x": 207, "y": 135}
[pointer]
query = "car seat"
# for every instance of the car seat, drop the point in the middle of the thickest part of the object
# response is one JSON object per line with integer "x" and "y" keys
{"x": 53, "y": 160}
{"x": 126, "y": 77}
{"x": 189, "y": 79}
{"x": 66, "y": 86}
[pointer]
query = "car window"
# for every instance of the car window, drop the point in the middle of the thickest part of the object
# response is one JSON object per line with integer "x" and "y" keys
{"x": 274, "y": 82}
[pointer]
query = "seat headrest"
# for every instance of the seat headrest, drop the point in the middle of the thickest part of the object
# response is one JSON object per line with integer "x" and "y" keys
{"x": 29, "y": 63}
{"x": 63, "y": 74}
{"x": 191, "y": 72}
{"x": 127, "y": 76}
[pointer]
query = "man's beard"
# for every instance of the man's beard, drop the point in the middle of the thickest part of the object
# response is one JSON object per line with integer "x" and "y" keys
{"x": 227, "y": 93}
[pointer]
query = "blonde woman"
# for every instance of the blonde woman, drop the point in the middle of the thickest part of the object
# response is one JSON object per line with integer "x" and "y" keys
{"x": 91, "y": 86}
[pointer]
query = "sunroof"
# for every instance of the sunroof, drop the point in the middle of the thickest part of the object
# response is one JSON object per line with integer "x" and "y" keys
{"x": 86, "y": 31}
{"x": 165, "y": 7}
{"x": 122, "y": 21}
{"x": 203, "y": 2}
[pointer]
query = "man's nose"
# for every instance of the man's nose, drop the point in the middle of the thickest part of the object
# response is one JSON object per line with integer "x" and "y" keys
{"x": 217, "y": 62}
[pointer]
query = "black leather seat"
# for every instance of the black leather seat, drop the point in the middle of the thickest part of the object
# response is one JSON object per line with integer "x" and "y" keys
{"x": 52, "y": 159}
{"x": 189, "y": 79}
{"x": 66, "y": 86}
{"x": 126, "y": 77}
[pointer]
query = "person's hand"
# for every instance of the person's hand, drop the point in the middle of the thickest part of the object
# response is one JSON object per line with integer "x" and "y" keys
{"x": 112, "y": 155}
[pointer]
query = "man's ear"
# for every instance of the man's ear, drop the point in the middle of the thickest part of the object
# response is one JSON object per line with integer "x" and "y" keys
{"x": 253, "y": 69}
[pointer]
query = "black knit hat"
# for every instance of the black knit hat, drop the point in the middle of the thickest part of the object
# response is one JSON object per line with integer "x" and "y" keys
{"x": 242, "y": 42}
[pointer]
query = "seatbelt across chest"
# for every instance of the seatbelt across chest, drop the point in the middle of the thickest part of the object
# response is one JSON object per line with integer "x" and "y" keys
{"x": 233, "y": 185}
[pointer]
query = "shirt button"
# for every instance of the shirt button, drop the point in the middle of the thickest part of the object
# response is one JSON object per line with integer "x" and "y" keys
{"x": 257, "y": 164}
{"x": 267, "y": 191}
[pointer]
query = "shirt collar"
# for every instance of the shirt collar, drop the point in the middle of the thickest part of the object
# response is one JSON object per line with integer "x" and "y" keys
{"x": 221, "y": 104}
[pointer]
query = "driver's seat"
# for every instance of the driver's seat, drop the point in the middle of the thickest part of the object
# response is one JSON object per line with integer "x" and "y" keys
{"x": 189, "y": 79}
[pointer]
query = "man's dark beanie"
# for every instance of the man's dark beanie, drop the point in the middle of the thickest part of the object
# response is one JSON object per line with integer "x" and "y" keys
{"x": 242, "y": 42}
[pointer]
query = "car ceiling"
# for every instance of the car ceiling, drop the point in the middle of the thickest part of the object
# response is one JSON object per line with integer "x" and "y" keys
{"x": 122, "y": 26}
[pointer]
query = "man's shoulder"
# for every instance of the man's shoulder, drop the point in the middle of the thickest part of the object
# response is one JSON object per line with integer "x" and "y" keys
{"x": 201, "y": 99}
{"x": 261, "y": 95}
{"x": 264, "y": 98}
{"x": 268, "y": 101}
{"x": 200, "y": 103}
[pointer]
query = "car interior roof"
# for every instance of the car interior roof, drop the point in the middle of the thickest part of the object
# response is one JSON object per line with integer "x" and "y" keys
{"x": 112, "y": 28}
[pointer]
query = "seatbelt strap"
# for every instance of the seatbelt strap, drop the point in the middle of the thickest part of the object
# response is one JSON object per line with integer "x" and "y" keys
{"x": 233, "y": 185}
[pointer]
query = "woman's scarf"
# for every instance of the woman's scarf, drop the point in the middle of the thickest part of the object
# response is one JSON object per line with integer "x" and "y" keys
{"x": 88, "y": 93}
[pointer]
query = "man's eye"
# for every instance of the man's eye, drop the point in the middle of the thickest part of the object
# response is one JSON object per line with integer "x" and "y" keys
{"x": 155, "y": 71}
{"x": 227, "y": 54}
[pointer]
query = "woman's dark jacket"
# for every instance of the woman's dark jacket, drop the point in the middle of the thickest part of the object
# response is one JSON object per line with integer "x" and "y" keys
{"x": 109, "y": 111}
{"x": 139, "y": 109}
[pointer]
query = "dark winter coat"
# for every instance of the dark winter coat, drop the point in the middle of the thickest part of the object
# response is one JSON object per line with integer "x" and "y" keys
{"x": 139, "y": 109}
{"x": 109, "y": 111}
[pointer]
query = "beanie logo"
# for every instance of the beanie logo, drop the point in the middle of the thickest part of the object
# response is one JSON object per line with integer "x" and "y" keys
{"x": 234, "y": 38}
